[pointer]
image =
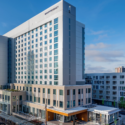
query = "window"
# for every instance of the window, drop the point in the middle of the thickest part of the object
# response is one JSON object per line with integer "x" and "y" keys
{"x": 43, "y": 100}
{"x": 50, "y": 76}
{"x": 45, "y": 42}
{"x": 45, "y": 31}
{"x": 40, "y": 38}
{"x": 55, "y": 71}
{"x": 43, "y": 90}
{"x": 56, "y": 46}
{"x": 48, "y": 91}
{"x": 55, "y": 83}
{"x": 38, "y": 99}
{"x": 50, "y": 59}
{"x": 34, "y": 89}
{"x": 50, "y": 29}
{"x": 73, "y": 103}
{"x": 55, "y": 20}
{"x": 55, "y": 77}
{"x": 55, "y": 58}
{"x": 34, "y": 99}
{"x": 31, "y": 98}
{"x": 55, "y": 52}
{"x": 54, "y": 91}
{"x": 78, "y": 91}
{"x": 68, "y": 104}
{"x": 48, "y": 101}
{"x": 41, "y": 33}
{"x": 55, "y": 33}
{"x": 56, "y": 27}
{"x": 54, "y": 102}
{"x": 50, "y": 23}
{"x": 36, "y": 34}
{"x": 60, "y": 104}
{"x": 50, "y": 82}
{"x": 45, "y": 36}
{"x": 50, "y": 71}
{"x": 40, "y": 27}
{"x": 60, "y": 92}
{"x": 55, "y": 64}
{"x": 38, "y": 90}
{"x": 50, "y": 35}
{"x": 68, "y": 92}
{"x": 50, "y": 41}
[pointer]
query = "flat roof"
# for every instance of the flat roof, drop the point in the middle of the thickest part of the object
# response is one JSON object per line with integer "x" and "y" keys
{"x": 104, "y": 109}
{"x": 67, "y": 112}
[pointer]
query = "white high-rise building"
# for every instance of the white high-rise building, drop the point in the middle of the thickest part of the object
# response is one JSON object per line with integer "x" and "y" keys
{"x": 48, "y": 63}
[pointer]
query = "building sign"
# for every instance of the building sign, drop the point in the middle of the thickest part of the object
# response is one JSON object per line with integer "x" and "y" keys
{"x": 51, "y": 10}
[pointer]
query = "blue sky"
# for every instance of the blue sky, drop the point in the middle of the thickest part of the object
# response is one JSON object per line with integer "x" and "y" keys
{"x": 104, "y": 21}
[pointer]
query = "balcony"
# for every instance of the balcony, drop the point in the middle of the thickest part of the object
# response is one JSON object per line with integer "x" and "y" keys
{"x": 114, "y": 77}
{"x": 100, "y": 92}
{"x": 107, "y": 82}
{"x": 114, "y": 82}
{"x": 114, "y": 93}
{"x": 114, "y": 88}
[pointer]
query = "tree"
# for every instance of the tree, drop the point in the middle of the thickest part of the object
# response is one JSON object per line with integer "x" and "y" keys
{"x": 102, "y": 101}
{"x": 115, "y": 121}
{"x": 122, "y": 102}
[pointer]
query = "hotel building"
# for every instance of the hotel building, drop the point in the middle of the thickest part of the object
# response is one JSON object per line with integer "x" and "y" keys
{"x": 45, "y": 57}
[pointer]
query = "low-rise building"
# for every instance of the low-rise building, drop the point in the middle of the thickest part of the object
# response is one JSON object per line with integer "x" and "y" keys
{"x": 109, "y": 87}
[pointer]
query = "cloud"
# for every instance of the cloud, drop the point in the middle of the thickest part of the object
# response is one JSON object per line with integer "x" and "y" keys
{"x": 103, "y": 56}
{"x": 100, "y": 37}
{"x": 101, "y": 52}
{"x": 97, "y": 69}
{"x": 97, "y": 46}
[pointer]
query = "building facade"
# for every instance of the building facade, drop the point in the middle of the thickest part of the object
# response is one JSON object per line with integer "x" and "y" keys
{"x": 120, "y": 69}
{"x": 46, "y": 58}
{"x": 107, "y": 86}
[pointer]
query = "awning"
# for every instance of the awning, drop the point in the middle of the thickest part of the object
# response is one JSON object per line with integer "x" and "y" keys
{"x": 68, "y": 112}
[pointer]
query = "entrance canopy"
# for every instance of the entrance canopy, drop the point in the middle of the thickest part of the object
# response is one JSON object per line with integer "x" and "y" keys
{"x": 68, "y": 112}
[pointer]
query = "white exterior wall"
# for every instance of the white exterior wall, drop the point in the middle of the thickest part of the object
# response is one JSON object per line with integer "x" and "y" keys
{"x": 111, "y": 85}
{"x": 3, "y": 60}
{"x": 62, "y": 13}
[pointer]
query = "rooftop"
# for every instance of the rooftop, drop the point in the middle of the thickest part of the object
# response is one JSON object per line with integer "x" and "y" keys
{"x": 103, "y": 109}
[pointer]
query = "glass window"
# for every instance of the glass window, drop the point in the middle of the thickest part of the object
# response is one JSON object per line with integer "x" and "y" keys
{"x": 55, "y": 77}
{"x": 55, "y": 20}
{"x": 55, "y": 52}
{"x": 55, "y": 64}
{"x": 55, "y": 83}
{"x": 54, "y": 102}
{"x": 50, "y": 23}
{"x": 45, "y": 42}
{"x": 43, "y": 90}
{"x": 50, "y": 64}
{"x": 50, "y": 47}
{"x": 36, "y": 40}
{"x": 36, "y": 29}
{"x": 60, "y": 104}
{"x": 50, "y": 29}
{"x": 54, "y": 91}
{"x": 50, "y": 58}
{"x": 50, "y": 53}
{"x": 41, "y": 44}
{"x": 50, "y": 82}
{"x": 50, "y": 41}
{"x": 45, "y": 36}
{"x": 55, "y": 58}
{"x": 41, "y": 33}
{"x": 55, "y": 39}
{"x": 45, "y": 54}
{"x": 40, "y": 38}
{"x": 55, "y": 33}
{"x": 36, "y": 34}
{"x": 45, "y": 31}
{"x": 55, "y": 71}
{"x": 56, "y": 27}
{"x": 50, "y": 70}
{"x": 45, "y": 77}
{"x": 50, "y": 35}
{"x": 48, "y": 91}
{"x": 56, "y": 46}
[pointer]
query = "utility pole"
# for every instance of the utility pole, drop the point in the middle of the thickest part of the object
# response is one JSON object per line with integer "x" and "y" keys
{"x": 45, "y": 114}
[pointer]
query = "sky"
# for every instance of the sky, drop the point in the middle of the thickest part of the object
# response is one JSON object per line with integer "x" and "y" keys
{"x": 104, "y": 27}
